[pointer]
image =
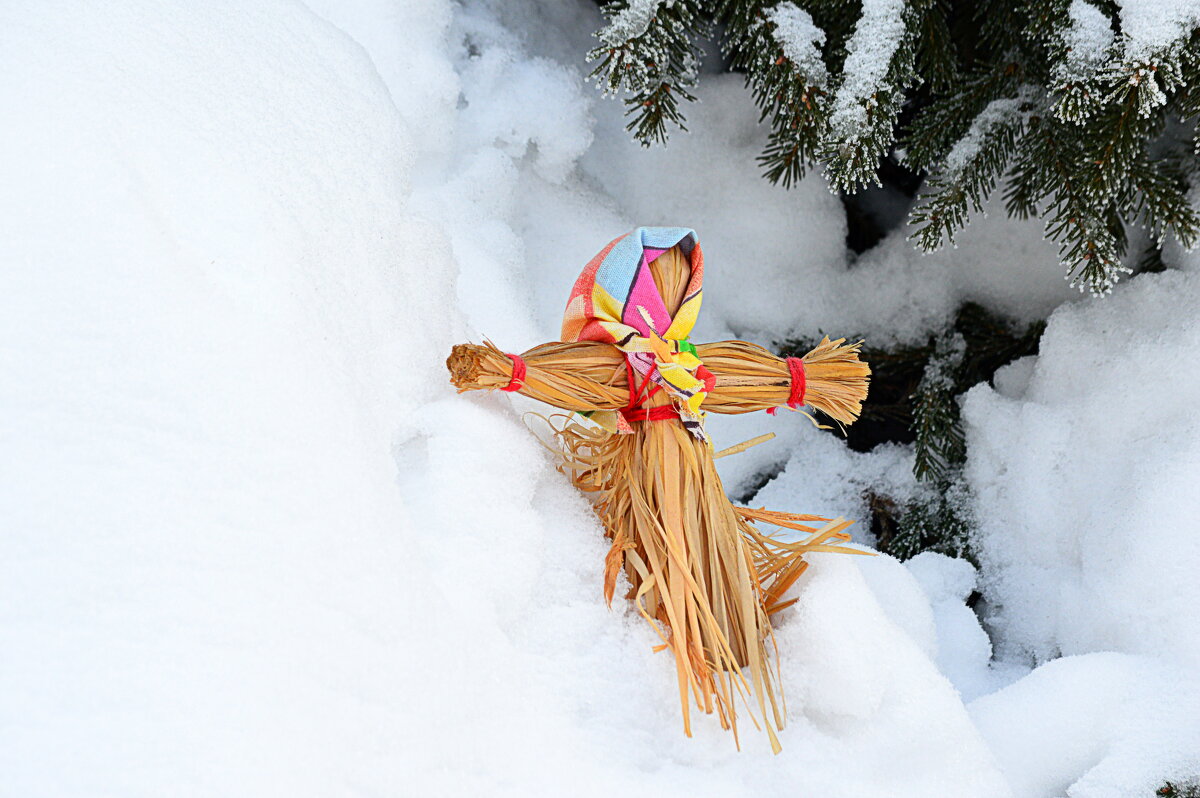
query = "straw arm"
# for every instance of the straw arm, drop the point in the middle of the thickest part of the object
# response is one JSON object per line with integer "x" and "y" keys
{"x": 591, "y": 376}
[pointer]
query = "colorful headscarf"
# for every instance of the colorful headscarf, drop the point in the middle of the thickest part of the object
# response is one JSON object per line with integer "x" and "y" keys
{"x": 615, "y": 300}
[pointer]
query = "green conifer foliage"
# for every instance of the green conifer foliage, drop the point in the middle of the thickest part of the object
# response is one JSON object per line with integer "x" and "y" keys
{"x": 1076, "y": 113}
{"x": 648, "y": 51}
{"x": 914, "y": 398}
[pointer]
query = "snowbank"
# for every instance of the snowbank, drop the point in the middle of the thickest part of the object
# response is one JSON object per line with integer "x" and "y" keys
{"x": 1083, "y": 462}
{"x": 207, "y": 580}
{"x": 1082, "y": 475}
{"x": 1094, "y": 726}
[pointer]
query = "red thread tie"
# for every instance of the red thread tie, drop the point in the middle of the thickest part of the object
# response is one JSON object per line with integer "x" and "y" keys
{"x": 518, "y": 374}
{"x": 635, "y": 411}
{"x": 799, "y": 383}
{"x": 660, "y": 413}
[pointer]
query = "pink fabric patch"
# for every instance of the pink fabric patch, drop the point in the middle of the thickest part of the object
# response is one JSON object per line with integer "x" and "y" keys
{"x": 645, "y": 295}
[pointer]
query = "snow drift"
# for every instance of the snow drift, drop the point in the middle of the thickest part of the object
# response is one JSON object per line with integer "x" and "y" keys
{"x": 253, "y": 544}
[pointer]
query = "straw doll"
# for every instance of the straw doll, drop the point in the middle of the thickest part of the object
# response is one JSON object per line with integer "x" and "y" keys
{"x": 700, "y": 571}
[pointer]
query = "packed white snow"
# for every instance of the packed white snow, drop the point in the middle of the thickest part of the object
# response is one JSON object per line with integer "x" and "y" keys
{"x": 630, "y": 22}
{"x": 877, "y": 37}
{"x": 254, "y": 544}
{"x": 1043, "y": 453}
{"x": 1149, "y": 27}
{"x": 801, "y": 41}
{"x": 1088, "y": 40}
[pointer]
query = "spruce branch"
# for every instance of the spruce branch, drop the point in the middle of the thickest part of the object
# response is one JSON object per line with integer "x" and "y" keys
{"x": 1072, "y": 106}
{"x": 939, "y": 518}
{"x": 1157, "y": 194}
{"x": 1189, "y": 789}
{"x": 879, "y": 68}
{"x": 971, "y": 170}
{"x": 946, "y": 119}
{"x": 936, "y": 53}
{"x": 939, "y": 442}
{"x": 780, "y": 51}
{"x": 1044, "y": 18}
{"x": 648, "y": 52}
{"x": 1053, "y": 166}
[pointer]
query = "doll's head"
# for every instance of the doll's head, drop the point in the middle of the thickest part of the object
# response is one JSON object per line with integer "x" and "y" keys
{"x": 671, "y": 271}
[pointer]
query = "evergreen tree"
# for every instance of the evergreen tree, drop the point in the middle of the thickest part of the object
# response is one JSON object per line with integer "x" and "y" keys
{"x": 1084, "y": 112}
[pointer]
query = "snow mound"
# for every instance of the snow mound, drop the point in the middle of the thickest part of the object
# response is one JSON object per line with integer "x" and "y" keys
{"x": 1094, "y": 726}
{"x": 1082, "y": 471}
{"x": 209, "y": 336}
{"x": 1087, "y": 533}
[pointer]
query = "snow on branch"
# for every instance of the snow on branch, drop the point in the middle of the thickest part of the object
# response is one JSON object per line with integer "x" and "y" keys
{"x": 972, "y": 168}
{"x": 1083, "y": 51}
{"x": 631, "y": 22}
{"x": 801, "y": 41}
{"x": 648, "y": 53}
{"x": 1151, "y": 27}
{"x": 999, "y": 114}
{"x": 1155, "y": 34}
{"x": 1087, "y": 41}
{"x": 879, "y": 67}
{"x": 877, "y": 39}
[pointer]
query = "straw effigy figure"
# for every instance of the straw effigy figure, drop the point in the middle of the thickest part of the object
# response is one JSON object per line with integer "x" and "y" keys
{"x": 700, "y": 571}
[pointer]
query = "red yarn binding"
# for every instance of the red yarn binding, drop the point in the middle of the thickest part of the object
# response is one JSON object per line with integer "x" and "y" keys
{"x": 634, "y": 411}
{"x": 518, "y": 374}
{"x": 799, "y": 383}
{"x": 660, "y": 413}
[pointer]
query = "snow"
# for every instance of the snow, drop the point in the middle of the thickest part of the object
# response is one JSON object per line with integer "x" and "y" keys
{"x": 1088, "y": 543}
{"x": 925, "y": 289}
{"x": 1041, "y": 458}
{"x": 801, "y": 41}
{"x": 964, "y": 651}
{"x": 1088, "y": 40}
{"x": 630, "y": 22}
{"x": 1101, "y": 725}
{"x": 1150, "y": 27}
{"x": 254, "y": 544}
{"x": 869, "y": 52}
{"x": 207, "y": 338}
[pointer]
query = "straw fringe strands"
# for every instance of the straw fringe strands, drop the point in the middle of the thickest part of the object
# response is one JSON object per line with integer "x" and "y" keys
{"x": 699, "y": 569}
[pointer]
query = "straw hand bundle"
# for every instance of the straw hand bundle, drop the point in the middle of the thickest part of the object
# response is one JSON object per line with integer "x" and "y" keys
{"x": 700, "y": 571}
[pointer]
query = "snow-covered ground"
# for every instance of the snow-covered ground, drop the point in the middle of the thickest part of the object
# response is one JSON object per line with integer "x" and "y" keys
{"x": 251, "y": 543}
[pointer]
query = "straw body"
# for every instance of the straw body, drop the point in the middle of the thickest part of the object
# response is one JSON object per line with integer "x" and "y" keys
{"x": 699, "y": 571}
